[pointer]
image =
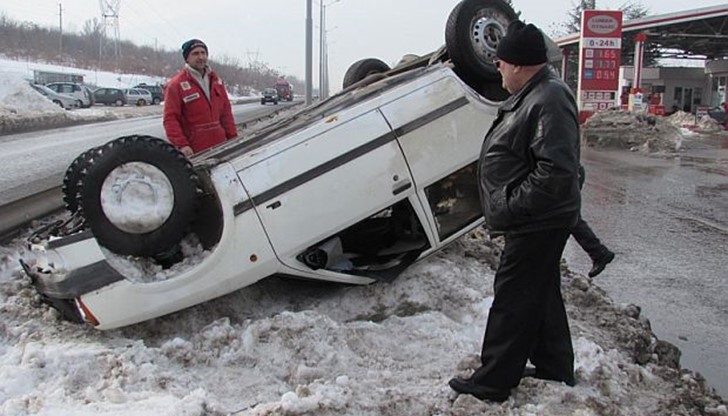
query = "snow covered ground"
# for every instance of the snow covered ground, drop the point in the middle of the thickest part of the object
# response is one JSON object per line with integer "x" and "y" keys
{"x": 287, "y": 347}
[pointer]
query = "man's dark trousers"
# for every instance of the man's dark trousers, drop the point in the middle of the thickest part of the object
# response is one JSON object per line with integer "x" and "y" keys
{"x": 588, "y": 241}
{"x": 527, "y": 319}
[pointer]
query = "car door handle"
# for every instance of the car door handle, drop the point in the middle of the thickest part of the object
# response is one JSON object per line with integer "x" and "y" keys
{"x": 401, "y": 188}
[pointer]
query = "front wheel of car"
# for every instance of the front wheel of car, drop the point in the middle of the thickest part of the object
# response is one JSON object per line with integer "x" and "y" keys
{"x": 118, "y": 103}
{"x": 139, "y": 196}
{"x": 362, "y": 69}
{"x": 140, "y": 103}
{"x": 472, "y": 33}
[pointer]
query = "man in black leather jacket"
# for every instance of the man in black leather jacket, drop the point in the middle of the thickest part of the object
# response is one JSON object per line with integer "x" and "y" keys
{"x": 529, "y": 189}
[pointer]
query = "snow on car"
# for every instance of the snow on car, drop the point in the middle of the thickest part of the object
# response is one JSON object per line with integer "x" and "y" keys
{"x": 351, "y": 190}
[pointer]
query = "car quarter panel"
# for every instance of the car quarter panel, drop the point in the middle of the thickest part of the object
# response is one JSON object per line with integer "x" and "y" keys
{"x": 242, "y": 256}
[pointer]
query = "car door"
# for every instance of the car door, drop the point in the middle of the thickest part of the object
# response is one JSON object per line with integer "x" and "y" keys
{"x": 328, "y": 177}
{"x": 440, "y": 128}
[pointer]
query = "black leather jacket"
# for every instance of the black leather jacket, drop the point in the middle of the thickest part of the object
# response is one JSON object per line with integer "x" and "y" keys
{"x": 529, "y": 162}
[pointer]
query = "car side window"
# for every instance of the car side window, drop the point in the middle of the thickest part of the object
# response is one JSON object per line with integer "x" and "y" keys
{"x": 455, "y": 201}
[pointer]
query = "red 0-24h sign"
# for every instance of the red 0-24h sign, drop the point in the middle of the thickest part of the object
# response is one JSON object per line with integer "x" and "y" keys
{"x": 601, "y": 45}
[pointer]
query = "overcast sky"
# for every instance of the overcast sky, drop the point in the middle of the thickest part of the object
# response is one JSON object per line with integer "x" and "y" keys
{"x": 273, "y": 31}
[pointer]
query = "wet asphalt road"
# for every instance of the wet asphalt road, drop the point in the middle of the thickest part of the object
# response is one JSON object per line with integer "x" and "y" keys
{"x": 667, "y": 221}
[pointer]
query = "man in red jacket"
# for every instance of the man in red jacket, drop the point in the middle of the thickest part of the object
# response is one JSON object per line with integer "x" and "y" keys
{"x": 197, "y": 111}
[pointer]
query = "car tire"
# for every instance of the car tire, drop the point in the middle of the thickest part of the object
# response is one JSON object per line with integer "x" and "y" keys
{"x": 156, "y": 100}
{"x": 72, "y": 179}
{"x": 125, "y": 173}
{"x": 362, "y": 69}
{"x": 472, "y": 33}
{"x": 118, "y": 103}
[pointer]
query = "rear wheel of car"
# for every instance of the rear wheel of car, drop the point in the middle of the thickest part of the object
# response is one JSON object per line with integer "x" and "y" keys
{"x": 472, "y": 33}
{"x": 59, "y": 103}
{"x": 140, "y": 102}
{"x": 156, "y": 100}
{"x": 118, "y": 103}
{"x": 79, "y": 103}
{"x": 362, "y": 69}
{"x": 139, "y": 196}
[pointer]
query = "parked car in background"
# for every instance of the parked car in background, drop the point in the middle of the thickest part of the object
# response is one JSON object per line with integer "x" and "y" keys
{"x": 138, "y": 96}
{"x": 83, "y": 94}
{"x": 270, "y": 95}
{"x": 65, "y": 101}
{"x": 718, "y": 114}
{"x": 110, "y": 96}
{"x": 157, "y": 92}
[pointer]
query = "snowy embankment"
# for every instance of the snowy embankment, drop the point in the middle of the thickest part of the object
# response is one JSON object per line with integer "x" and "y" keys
{"x": 287, "y": 347}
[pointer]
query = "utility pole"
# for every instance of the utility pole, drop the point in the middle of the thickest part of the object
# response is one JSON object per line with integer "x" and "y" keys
{"x": 309, "y": 51}
{"x": 322, "y": 47}
{"x": 323, "y": 52}
{"x": 60, "y": 26}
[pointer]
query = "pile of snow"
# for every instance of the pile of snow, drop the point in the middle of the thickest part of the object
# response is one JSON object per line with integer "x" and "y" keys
{"x": 704, "y": 124}
{"x": 289, "y": 347}
{"x": 681, "y": 119}
{"x": 631, "y": 130}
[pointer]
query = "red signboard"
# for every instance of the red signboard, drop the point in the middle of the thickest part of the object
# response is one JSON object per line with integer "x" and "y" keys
{"x": 599, "y": 59}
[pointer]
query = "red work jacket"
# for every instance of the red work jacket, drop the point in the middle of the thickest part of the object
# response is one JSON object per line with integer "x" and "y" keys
{"x": 190, "y": 119}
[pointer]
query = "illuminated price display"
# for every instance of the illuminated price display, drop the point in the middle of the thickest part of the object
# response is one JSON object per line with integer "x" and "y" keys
{"x": 600, "y": 52}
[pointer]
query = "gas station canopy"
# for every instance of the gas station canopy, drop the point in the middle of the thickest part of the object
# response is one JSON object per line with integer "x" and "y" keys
{"x": 699, "y": 33}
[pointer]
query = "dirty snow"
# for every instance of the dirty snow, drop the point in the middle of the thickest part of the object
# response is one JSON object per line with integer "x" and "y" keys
{"x": 288, "y": 347}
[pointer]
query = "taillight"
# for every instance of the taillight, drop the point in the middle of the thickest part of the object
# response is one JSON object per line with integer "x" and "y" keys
{"x": 86, "y": 313}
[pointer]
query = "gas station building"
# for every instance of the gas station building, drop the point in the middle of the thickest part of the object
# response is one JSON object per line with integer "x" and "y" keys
{"x": 700, "y": 35}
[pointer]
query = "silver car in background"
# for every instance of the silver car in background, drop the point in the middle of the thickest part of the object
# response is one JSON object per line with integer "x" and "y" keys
{"x": 138, "y": 96}
{"x": 63, "y": 100}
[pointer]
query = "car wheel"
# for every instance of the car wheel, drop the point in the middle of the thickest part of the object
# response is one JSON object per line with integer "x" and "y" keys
{"x": 362, "y": 69}
{"x": 57, "y": 102}
{"x": 139, "y": 196}
{"x": 156, "y": 100}
{"x": 118, "y": 103}
{"x": 79, "y": 103}
{"x": 140, "y": 103}
{"x": 72, "y": 178}
{"x": 472, "y": 33}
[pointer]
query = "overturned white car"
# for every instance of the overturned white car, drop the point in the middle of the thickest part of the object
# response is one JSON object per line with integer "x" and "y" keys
{"x": 351, "y": 190}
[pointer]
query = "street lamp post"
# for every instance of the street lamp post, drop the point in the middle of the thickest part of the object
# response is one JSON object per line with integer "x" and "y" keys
{"x": 309, "y": 49}
{"x": 323, "y": 52}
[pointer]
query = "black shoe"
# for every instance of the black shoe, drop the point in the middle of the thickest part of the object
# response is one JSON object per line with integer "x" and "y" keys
{"x": 601, "y": 263}
{"x": 466, "y": 386}
{"x": 532, "y": 372}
